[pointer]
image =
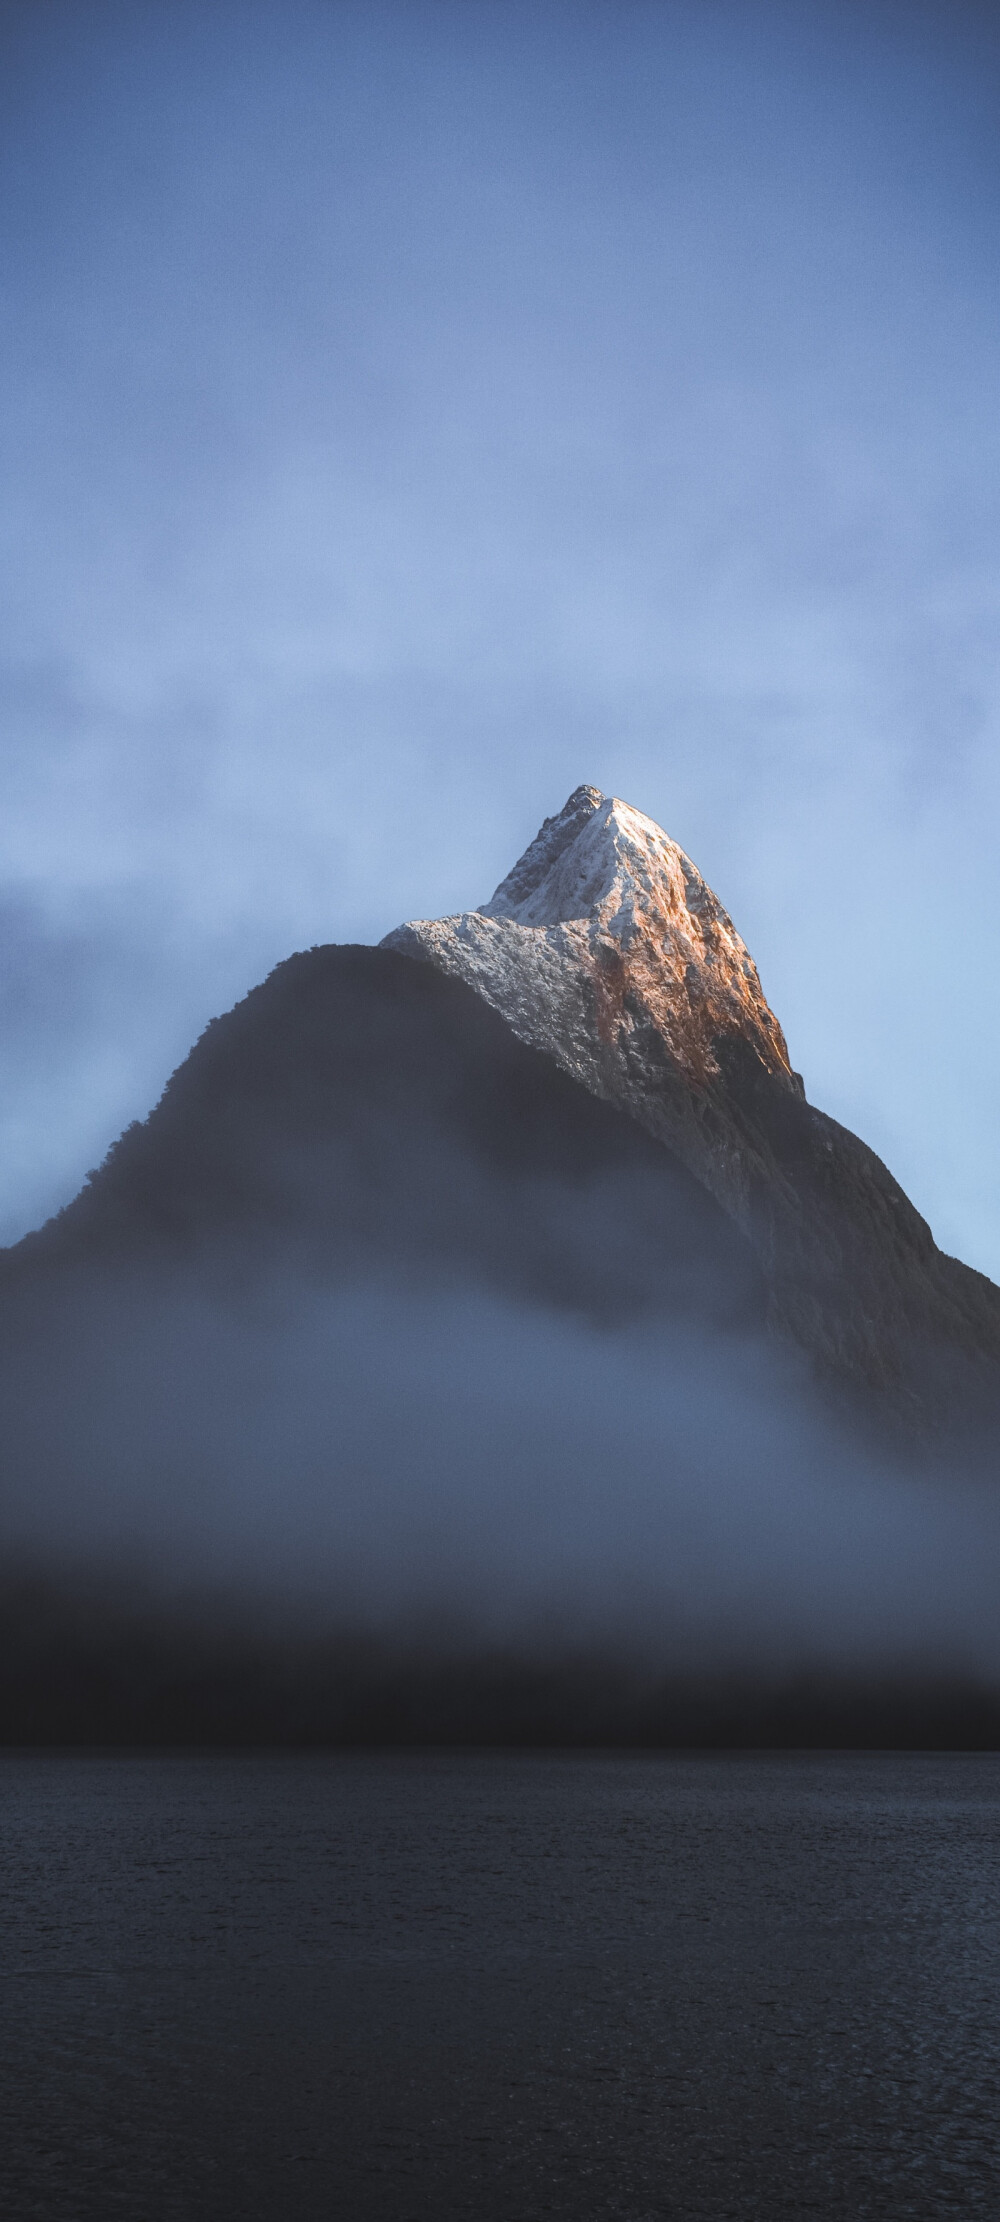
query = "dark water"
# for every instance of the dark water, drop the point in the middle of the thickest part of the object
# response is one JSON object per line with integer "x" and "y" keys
{"x": 499, "y": 1986}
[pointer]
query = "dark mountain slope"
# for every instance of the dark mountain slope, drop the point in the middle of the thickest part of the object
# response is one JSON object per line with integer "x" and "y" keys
{"x": 360, "y": 1111}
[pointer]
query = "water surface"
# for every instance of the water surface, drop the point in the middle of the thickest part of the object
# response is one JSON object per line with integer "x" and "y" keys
{"x": 499, "y": 1986}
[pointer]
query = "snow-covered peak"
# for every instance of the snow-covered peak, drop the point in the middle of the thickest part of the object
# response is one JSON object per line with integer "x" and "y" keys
{"x": 606, "y": 948}
{"x": 603, "y": 862}
{"x": 549, "y": 870}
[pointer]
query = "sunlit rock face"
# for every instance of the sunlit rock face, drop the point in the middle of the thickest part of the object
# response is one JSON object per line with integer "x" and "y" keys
{"x": 635, "y": 910}
{"x": 605, "y": 948}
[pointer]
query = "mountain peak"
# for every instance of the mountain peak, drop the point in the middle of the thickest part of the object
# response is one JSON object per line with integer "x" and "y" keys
{"x": 607, "y": 865}
{"x": 604, "y": 908}
{"x": 540, "y": 879}
{"x": 602, "y": 861}
{"x": 605, "y": 948}
{"x": 597, "y": 859}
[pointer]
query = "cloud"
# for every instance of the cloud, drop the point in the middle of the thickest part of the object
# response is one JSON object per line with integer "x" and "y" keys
{"x": 417, "y": 1454}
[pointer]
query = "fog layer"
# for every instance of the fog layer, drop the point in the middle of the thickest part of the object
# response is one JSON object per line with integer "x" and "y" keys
{"x": 382, "y": 1328}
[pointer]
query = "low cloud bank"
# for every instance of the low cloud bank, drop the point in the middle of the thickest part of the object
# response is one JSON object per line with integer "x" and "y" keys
{"x": 408, "y": 1508}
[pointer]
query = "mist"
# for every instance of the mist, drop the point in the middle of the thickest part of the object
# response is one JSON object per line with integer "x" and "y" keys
{"x": 382, "y": 1330}
{"x": 448, "y": 1476}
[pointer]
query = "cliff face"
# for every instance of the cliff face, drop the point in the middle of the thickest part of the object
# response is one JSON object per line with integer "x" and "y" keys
{"x": 605, "y": 948}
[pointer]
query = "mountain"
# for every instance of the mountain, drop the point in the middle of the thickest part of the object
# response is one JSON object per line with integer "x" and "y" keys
{"x": 605, "y": 948}
{"x": 439, "y": 1359}
{"x": 577, "y": 1095}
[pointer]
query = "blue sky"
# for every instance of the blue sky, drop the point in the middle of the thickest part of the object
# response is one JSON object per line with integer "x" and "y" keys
{"x": 409, "y": 412}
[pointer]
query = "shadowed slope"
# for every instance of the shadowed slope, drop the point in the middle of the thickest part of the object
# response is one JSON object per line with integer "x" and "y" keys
{"x": 359, "y": 1110}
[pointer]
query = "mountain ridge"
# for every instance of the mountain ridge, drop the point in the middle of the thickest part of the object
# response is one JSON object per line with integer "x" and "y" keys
{"x": 605, "y": 946}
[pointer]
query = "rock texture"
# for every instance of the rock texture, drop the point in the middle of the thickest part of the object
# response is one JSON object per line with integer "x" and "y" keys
{"x": 605, "y": 948}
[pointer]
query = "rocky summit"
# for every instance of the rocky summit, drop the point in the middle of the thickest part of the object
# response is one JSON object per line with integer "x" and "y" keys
{"x": 605, "y": 948}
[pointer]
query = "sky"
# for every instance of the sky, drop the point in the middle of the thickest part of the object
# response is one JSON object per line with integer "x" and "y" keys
{"x": 408, "y": 412}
